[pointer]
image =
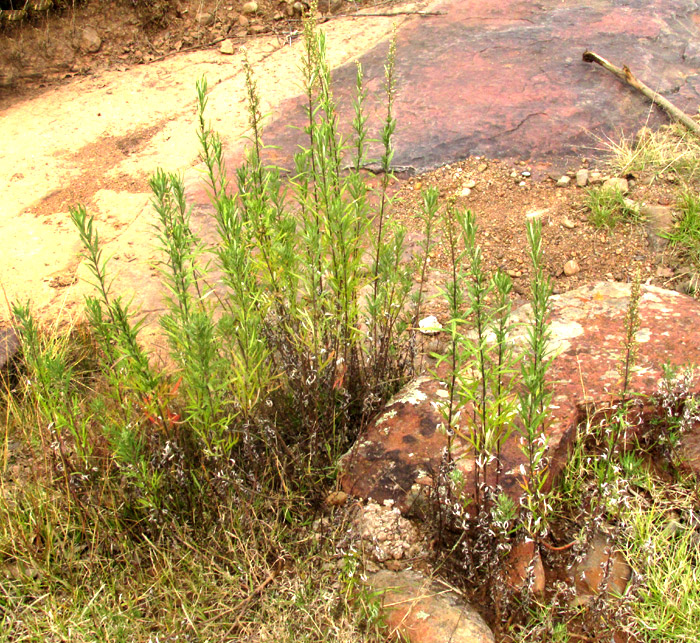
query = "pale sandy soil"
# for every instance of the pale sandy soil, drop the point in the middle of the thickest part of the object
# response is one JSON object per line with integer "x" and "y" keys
{"x": 96, "y": 141}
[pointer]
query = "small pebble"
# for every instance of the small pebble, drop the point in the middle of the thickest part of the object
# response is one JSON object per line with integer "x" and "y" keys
{"x": 563, "y": 181}
{"x": 571, "y": 268}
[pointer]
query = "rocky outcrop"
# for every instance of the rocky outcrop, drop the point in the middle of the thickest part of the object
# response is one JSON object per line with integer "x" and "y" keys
{"x": 401, "y": 451}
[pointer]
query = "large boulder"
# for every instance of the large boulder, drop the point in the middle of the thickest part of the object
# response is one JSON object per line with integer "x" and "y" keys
{"x": 400, "y": 452}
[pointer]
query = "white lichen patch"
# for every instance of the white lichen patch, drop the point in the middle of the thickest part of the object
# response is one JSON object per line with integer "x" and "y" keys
{"x": 411, "y": 393}
{"x": 561, "y": 334}
{"x": 385, "y": 417}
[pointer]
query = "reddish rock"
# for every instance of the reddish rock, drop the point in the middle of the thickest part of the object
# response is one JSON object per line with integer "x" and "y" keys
{"x": 402, "y": 449}
{"x": 423, "y": 611}
{"x": 602, "y": 568}
{"x": 525, "y": 567}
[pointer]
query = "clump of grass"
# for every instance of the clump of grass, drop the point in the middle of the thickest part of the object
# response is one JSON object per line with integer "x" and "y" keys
{"x": 608, "y": 207}
{"x": 661, "y": 544}
{"x": 670, "y": 149}
{"x": 685, "y": 236}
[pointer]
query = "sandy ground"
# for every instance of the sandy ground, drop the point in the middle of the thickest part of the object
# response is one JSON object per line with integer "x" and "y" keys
{"x": 96, "y": 141}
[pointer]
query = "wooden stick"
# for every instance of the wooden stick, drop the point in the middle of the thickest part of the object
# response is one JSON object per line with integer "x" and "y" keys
{"x": 626, "y": 75}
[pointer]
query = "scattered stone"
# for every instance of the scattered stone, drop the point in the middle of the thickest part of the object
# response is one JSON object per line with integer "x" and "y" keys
{"x": 568, "y": 223}
{"x": 513, "y": 175}
{"x": 595, "y": 177}
{"x": 278, "y": 16}
{"x": 571, "y": 267}
{"x": 524, "y": 566}
{"x": 257, "y": 29}
{"x": 429, "y": 325}
{"x": 631, "y": 204}
{"x": 464, "y": 192}
{"x": 249, "y": 8}
{"x": 336, "y": 498}
{"x": 659, "y": 221}
{"x": 602, "y": 568}
{"x": 243, "y": 21}
{"x": 483, "y": 167}
{"x": 664, "y": 272}
{"x": 617, "y": 183}
{"x": 205, "y": 19}
{"x": 423, "y": 611}
{"x": 522, "y": 184}
{"x": 582, "y": 178}
{"x": 563, "y": 181}
{"x": 526, "y": 174}
{"x": 471, "y": 184}
{"x": 226, "y": 47}
{"x": 9, "y": 346}
{"x": 90, "y": 41}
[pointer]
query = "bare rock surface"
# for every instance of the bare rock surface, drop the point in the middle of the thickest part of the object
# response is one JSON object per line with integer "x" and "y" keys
{"x": 519, "y": 77}
{"x": 659, "y": 221}
{"x": 424, "y": 611}
{"x": 401, "y": 451}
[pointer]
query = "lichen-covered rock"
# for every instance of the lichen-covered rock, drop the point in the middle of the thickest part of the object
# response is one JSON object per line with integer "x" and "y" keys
{"x": 401, "y": 451}
{"x": 423, "y": 611}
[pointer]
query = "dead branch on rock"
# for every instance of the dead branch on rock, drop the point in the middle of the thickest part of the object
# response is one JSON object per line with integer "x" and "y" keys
{"x": 626, "y": 75}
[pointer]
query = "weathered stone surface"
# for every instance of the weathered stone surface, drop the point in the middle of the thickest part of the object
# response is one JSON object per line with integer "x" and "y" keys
{"x": 603, "y": 568}
{"x": 659, "y": 220}
{"x": 90, "y": 41}
{"x": 689, "y": 449}
{"x": 582, "y": 178}
{"x": 425, "y": 612}
{"x": 330, "y": 6}
{"x": 9, "y": 346}
{"x": 250, "y": 7}
{"x": 205, "y": 19}
{"x": 226, "y": 47}
{"x": 617, "y": 183}
{"x": 387, "y": 534}
{"x": 524, "y": 565}
{"x": 571, "y": 267}
{"x": 402, "y": 450}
